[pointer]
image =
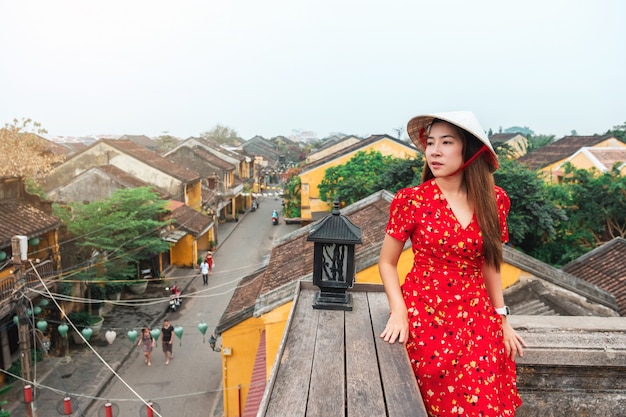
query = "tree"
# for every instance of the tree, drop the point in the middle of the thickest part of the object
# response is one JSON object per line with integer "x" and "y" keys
{"x": 594, "y": 205}
{"x": 534, "y": 216}
{"x": 537, "y": 141}
{"x": 166, "y": 142}
{"x": 25, "y": 154}
{"x": 400, "y": 173}
{"x": 115, "y": 234}
{"x": 292, "y": 194}
{"x": 618, "y": 131}
{"x": 222, "y": 135}
{"x": 354, "y": 180}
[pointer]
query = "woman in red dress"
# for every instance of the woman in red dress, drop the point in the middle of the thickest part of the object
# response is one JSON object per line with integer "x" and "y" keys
{"x": 450, "y": 310}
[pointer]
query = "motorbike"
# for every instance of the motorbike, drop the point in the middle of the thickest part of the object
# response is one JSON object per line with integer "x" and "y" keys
{"x": 254, "y": 206}
{"x": 175, "y": 299}
{"x": 275, "y": 218}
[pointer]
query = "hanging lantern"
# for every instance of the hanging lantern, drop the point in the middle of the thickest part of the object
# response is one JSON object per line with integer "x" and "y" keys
{"x": 203, "y": 328}
{"x": 3, "y": 255}
{"x": 109, "y": 410}
{"x": 37, "y": 310}
{"x": 132, "y": 335}
{"x": 16, "y": 320}
{"x": 63, "y": 329}
{"x": 34, "y": 241}
{"x": 42, "y": 325}
{"x": 155, "y": 333}
{"x": 110, "y": 336}
{"x": 28, "y": 394}
{"x": 178, "y": 331}
{"x": 87, "y": 332}
{"x": 149, "y": 409}
{"x": 44, "y": 302}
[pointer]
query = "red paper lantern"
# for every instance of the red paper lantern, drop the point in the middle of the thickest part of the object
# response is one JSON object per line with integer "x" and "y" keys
{"x": 28, "y": 394}
{"x": 108, "y": 410}
{"x": 67, "y": 406}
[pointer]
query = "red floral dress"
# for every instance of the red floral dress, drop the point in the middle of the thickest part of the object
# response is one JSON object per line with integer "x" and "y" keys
{"x": 456, "y": 342}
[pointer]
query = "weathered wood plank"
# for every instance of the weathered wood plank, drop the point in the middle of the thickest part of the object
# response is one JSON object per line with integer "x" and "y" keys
{"x": 363, "y": 383}
{"x": 400, "y": 387}
{"x": 327, "y": 392}
{"x": 290, "y": 389}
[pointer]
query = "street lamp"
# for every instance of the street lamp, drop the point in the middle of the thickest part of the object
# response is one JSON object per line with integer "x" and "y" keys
{"x": 333, "y": 260}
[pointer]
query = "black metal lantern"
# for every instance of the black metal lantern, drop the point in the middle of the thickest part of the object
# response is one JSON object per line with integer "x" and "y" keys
{"x": 333, "y": 260}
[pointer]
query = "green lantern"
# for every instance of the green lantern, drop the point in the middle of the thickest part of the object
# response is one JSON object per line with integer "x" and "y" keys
{"x": 87, "y": 332}
{"x": 63, "y": 329}
{"x": 42, "y": 325}
{"x": 155, "y": 333}
{"x": 203, "y": 328}
{"x": 178, "y": 331}
{"x": 132, "y": 335}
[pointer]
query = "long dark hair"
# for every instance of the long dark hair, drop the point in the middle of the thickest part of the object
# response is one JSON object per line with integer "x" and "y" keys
{"x": 479, "y": 183}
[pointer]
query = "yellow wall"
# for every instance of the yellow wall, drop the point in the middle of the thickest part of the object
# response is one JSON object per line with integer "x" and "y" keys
{"x": 185, "y": 252}
{"x": 553, "y": 172}
{"x": 310, "y": 200}
{"x": 193, "y": 197}
{"x": 243, "y": 341}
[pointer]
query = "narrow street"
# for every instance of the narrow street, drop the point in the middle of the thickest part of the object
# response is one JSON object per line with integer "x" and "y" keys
{"x": 191, "y": 384}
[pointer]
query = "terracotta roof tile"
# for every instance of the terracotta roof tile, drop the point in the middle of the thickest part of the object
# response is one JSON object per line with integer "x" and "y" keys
{"x": 191, "y": 220}
{"x": 153, "y": 159}
{"x": 558, "y": 150}
{"x": 20, "y": 218}
{"x": 605, "y": 267}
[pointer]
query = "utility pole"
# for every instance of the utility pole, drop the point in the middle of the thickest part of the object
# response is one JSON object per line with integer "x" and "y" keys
{"x": 19, "y": 245}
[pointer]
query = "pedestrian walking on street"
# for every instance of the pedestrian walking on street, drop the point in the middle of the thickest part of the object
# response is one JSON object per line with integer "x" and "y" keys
{"x": 204, "y": 270}
{"x": 209, "y": 260}
{"x": 147, "y": 341}
{"x": 168, "y": 340}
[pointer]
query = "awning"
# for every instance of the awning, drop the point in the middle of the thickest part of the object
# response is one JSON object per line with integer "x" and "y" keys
{"x": 174, "y": 236}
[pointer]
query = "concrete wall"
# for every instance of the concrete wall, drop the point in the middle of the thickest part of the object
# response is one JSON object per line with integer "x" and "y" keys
{"x": 573, "y": 367}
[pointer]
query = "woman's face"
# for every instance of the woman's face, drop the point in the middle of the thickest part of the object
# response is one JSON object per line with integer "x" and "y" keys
{"x": 444, "y": 149}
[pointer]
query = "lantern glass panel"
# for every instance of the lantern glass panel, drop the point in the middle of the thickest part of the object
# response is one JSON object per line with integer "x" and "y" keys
{"x": 334, "y": 262}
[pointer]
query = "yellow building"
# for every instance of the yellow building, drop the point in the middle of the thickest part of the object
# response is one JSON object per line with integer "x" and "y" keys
{"x": 550, "y": 159}
{"x": 253, "y": 324}
{"x": 311, "y": 205}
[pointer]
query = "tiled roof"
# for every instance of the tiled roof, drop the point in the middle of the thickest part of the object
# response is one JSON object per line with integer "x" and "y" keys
{"x": 349, "y": 149}
{"x": 608, "y": 156}
{"x": 213, "y": 159}
{"x": 20, "y": 218}
{"x": 558, "y": 150}
{"x": 141, "y": 140}
{"x": 191, "y": 220}
{"x": 605, "y": 267}
{"x": 153, "y": 159}
{"x": 502, "y": 137}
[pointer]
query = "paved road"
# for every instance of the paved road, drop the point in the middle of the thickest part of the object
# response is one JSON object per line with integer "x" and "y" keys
{"x": 191, "y": 384}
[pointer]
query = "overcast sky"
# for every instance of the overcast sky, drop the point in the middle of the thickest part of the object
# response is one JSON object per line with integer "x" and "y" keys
{"x": 269, "y": 67}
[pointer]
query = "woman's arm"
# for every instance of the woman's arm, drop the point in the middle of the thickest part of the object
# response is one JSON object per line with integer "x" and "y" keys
{"x": 513, "y": 342}
{"x": 398, "y": 323}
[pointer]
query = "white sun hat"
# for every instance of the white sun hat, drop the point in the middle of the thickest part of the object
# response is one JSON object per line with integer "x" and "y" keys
{"x": 419, "y": 126}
